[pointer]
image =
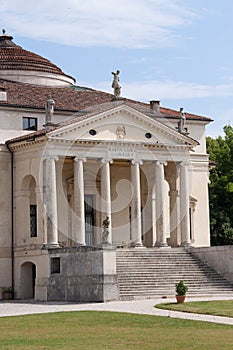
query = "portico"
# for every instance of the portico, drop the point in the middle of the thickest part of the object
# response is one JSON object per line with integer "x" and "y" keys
{"x": 138, "y": 196}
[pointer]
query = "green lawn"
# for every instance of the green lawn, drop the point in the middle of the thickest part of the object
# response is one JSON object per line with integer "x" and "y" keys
{"x": 108, "y": 330}
{"x": 217, "y": 308}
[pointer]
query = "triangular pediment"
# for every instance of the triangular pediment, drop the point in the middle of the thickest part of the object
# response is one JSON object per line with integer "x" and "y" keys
{"x": 123, "y": 124}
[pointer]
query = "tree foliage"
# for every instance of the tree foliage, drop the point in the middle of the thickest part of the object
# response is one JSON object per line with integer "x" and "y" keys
{"x": 221, "y": 187}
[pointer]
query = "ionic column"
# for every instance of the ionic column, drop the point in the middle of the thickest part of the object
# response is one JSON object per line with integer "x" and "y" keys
{"x": 174, "y": 214}
{"x": 78, "y": 228}
{"x": 51, "y": 202}
{"x": 184, "y": 204}
{"x": 161, "y": 240}
{"x": 136, "y": 204}
{"x": 106, "y": 197}
{"x": 40, "y": 208}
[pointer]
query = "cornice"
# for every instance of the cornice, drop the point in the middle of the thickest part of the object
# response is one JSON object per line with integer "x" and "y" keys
{"x": 26, "y": 144}
{"x": 119, "y": 143}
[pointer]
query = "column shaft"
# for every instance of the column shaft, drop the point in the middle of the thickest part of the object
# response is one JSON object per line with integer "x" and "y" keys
{"x": 136, "y": 204}
{"x": 106, "y": 197}
{"x": 51, "y": 202}
{"x": 160, "y": 201}
{"x": 184, "y": 205}
{"x": 174, "y": 212}
{"x": 78, "y": 228}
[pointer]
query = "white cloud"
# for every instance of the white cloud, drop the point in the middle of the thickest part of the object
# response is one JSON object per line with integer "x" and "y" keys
{"x": 122, "y": 23}
{"x": 221, "y": 119}
{"x": 149, "y": 90}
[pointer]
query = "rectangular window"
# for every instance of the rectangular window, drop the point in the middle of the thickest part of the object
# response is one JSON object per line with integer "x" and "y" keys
{"x": 29, "y": 123}
{"x": 55, "y": 265}
{"x": 33, "y": 221}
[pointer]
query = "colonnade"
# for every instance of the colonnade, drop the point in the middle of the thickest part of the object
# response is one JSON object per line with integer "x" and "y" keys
{"x": 78, "y": 226}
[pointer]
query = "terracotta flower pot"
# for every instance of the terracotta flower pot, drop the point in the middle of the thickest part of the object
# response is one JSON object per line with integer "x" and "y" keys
{"x": 180, "y": 298}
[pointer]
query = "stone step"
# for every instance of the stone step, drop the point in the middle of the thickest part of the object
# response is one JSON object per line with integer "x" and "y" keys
{"x": 189, "y": 282}
{"x": 162, "y": 267}
{"x": 147, "y": 273}
{"x": 189, "y": 275}
{"x": 190, "y": 286}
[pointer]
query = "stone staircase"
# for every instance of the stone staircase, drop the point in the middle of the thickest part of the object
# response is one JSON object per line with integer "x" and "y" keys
{"x": 153, "y": 272}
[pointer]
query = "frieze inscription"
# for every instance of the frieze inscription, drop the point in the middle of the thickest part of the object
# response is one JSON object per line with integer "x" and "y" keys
{"x": 121, "y": 152}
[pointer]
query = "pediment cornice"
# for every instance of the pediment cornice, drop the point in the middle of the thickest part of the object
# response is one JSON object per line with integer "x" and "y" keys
{"x": 135, "y": 116}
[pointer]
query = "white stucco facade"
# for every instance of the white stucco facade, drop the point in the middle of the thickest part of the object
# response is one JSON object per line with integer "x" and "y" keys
{"x": 114, "y": 174}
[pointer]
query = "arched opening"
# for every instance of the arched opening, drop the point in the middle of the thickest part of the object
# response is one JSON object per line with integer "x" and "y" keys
{"x": 28, "y": 280}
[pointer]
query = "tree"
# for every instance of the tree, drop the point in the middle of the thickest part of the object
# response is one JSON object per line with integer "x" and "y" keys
{"x": 221, "y": 187}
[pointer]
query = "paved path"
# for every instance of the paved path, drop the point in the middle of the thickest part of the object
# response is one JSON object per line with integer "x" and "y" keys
{"x": 146, "y": 307}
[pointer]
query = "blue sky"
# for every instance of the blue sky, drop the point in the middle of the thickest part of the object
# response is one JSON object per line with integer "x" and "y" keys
{"x": 179, "y": 52}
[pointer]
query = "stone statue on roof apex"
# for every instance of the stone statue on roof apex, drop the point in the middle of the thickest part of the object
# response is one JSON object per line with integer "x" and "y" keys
{"x": 116, "y": 84}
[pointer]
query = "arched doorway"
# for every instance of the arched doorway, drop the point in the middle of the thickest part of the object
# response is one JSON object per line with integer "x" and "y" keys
{"x": 28, "y": 279}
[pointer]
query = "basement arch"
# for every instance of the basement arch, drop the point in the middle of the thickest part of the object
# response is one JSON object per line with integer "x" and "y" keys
{"x": 28, "y": 280}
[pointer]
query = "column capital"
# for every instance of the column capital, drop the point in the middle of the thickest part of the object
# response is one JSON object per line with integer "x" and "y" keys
{"x": 136, "y": 162}
{"x": 51, "y": 157}
{"x": 160, "y": 162}
{"x": 173, "y": 193}
{"x": 106, "y": 160}
{"x": 185, "y": 163}
{"x": 81, "y": 158}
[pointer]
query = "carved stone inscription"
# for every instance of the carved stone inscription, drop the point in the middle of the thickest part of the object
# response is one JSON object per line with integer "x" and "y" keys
{"x": 121, "y": 152}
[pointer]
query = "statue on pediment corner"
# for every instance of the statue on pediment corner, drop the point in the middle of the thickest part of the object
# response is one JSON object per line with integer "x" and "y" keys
{"x": 181, "y": 123}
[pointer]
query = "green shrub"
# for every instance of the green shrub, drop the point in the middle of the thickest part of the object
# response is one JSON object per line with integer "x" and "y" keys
{"x": 181, "y": 288}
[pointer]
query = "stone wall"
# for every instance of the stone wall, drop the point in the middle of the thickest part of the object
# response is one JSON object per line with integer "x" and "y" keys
{"x": 87, "y": 274}
{"x": 219, "y": 258}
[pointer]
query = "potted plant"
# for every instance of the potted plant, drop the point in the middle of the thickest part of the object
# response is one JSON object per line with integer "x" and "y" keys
{"x": 7, "y": 293}
{"x": 181, "y": 290}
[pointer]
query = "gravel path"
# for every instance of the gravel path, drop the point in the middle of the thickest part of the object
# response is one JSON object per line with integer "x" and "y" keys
{"x": 146, "y": 307}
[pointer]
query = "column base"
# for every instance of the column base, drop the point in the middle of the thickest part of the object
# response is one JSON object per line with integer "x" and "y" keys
{"x": 107, "y": 246}
{"x": 51, "y": 245}
{"x": 136, "y": 245}
{"x": 161, "y": 245}
{"x": 77, "y": 244}
{"x": 139, "y": 245}
{"x": 186, "y": 244}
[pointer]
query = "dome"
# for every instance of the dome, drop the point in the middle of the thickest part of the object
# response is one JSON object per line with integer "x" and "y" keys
{"x": 21, "y": 65}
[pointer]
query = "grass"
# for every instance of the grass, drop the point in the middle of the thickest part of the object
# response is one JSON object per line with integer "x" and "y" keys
{"x": 216, "y": 308}
{"x": 108, "y": 330}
